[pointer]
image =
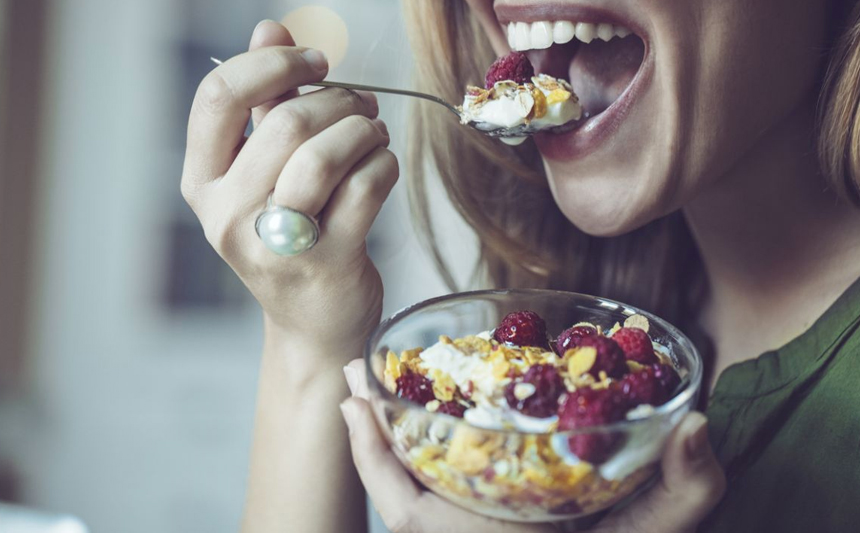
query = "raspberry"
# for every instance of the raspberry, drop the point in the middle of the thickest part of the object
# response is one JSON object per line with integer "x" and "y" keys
{"x": 610, "y": 358}
{"x": 514, "y": 67}
{"x": 643, "y": 387}
{"x": 592, "y": 407}
{"x": 415, "y": 388}
{"x": 571, "y": 337}
{"x": 654, "y": 385}
{"x": 523, "y": 328}
{"x": 668, "y": 378}
{"x": 452, "y": 408}
{"x": 548, "y": 387}
{"x": 636, "y": 345}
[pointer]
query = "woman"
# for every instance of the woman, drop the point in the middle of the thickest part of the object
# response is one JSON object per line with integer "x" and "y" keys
{"x": 716, "y": 185}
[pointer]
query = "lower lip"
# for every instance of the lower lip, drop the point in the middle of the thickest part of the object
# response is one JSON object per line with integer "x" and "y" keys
{"x": 586, "y": 138}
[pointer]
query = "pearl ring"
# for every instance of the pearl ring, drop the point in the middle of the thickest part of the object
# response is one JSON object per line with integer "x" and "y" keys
{"x": 285, "y": 231}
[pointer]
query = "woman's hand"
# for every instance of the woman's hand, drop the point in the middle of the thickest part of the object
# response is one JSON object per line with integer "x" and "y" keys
{"x": 324, "y": 154}
{"x": 691, "y": 485}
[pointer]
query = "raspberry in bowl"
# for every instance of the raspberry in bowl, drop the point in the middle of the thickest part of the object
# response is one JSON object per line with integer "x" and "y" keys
{"x": 530, "y": 405}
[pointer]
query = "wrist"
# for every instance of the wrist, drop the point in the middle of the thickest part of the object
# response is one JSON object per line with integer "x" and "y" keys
{"x": 305, "y": 361}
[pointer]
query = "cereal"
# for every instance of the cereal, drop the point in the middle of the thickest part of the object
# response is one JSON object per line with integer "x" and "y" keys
{"x": 531, "y": 471}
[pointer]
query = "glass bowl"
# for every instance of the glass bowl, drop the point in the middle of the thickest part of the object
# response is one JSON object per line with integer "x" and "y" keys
{"x": 513, "y": 474}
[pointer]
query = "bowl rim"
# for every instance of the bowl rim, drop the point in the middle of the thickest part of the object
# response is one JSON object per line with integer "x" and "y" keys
{"x": 689, "y": 392}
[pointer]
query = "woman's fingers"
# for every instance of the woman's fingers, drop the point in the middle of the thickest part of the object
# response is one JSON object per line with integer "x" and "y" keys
{"x": 356, "y": 202}
{"x": 392, "y": 490}
{"x": 692, "y": 484}
{"x": 356, "y": 378}
{"x": 224, "y": 100}
{"x": 318, "y": 166}
{"x": 401, "y": 503}
{"x": 270, "y": 33}
{"x": 286, "y": 127}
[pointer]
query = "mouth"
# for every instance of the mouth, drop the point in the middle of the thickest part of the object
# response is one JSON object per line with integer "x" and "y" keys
{"x": 604, "y": 56}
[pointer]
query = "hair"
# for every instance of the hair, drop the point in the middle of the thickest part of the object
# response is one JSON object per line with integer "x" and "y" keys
{"x": 502, "y": 192}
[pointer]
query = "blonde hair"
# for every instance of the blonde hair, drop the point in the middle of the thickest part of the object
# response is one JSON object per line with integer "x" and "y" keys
{"x": 839, "y": 112}
{"x": 503, "y": 195}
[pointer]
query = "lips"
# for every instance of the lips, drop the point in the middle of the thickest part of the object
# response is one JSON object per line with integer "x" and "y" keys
{"x": 603, "y": 54}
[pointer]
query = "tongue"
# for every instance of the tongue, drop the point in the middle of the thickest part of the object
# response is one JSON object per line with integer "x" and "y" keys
{"x": 601, "y": 71}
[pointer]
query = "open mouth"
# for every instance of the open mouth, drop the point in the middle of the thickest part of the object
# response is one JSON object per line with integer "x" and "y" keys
{"x": 599, "y": 60}
{"x": 602, "y": 55}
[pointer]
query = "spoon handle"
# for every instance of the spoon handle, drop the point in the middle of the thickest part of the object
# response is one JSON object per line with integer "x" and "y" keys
{"x": 401, "y": 92}
{"x": 370, "y": 88}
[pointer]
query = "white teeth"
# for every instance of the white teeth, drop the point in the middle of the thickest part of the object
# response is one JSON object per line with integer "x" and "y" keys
{"x": 562, "y": 32}
{"x": 523, "y": 36}
{"x": 605, "y": 32}
{"x": 541, "y": 35}
{"x": 586, "y": 32}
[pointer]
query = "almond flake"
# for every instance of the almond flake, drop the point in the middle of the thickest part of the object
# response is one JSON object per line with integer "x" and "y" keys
{"x": 524, "y": 390}
{"x": 580, "y": 360}
{"x": 637, "y": 321}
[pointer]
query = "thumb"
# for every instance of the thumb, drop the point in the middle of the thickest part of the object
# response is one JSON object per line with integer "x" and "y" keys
{"x": 270, "y": 33}
{"x": 389, "y": 486}
{"x": 692, "y": 483}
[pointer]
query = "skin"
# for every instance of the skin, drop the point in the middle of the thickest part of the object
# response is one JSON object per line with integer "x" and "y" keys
{"x": 724, "y": 132}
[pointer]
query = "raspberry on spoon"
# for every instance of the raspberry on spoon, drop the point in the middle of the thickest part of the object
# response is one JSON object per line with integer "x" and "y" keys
{"x": 515, "y": 67}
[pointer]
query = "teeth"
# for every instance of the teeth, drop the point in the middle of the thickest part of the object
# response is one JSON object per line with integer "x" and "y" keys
{"x": 541, "y": 35}
{"x": 605, "y": 32}
{"x": 562, "y": 32}
{"x": 586, "y": 32}
{"x": 524, "y": 36}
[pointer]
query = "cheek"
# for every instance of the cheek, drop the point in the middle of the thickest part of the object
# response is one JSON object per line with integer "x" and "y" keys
{"x": 636, "y": 176}
{"x": 483, "y": 11}
{"x": 759, "y": 65}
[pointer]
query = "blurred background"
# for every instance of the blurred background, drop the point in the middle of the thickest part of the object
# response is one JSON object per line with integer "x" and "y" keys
{"x": 128, "y": 351}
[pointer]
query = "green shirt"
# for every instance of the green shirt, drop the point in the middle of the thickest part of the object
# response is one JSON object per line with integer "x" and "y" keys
{"x": 786, "y": 428}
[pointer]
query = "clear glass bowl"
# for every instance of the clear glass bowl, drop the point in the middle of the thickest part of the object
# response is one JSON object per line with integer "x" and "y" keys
{"x": 515, "y": 475}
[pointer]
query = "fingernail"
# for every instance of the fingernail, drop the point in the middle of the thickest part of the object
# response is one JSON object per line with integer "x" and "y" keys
{"x": 259, "y": 25}
{"x": 346, "y": 410}
{"x": 351, "y": 379}
{"x": 315, "y": 59}
{"x": 696, "y": 429}
{"x": 382, "y": 127}
{"x": 371, "y": 102}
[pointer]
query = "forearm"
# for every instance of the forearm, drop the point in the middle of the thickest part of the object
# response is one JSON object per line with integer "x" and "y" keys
{"x": 301, "y": 475}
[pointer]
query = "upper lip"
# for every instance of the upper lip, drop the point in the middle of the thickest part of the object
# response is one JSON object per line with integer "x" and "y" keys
{"x": 554, "y": 11}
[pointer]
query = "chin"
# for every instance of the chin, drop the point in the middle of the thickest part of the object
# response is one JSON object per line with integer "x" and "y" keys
{"x": 602, "y": 205}
{"x": 608, "y": 175}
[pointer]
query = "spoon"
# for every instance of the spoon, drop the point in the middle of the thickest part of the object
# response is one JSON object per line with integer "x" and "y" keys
{"x": 491, "y": 130}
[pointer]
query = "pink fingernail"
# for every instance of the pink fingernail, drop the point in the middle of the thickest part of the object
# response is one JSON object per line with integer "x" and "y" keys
{"x": 260, "y": 25}
{"x": 315, "y": 59}
{"x": 382, "y": 127}
{"x": 351, "y": 379}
